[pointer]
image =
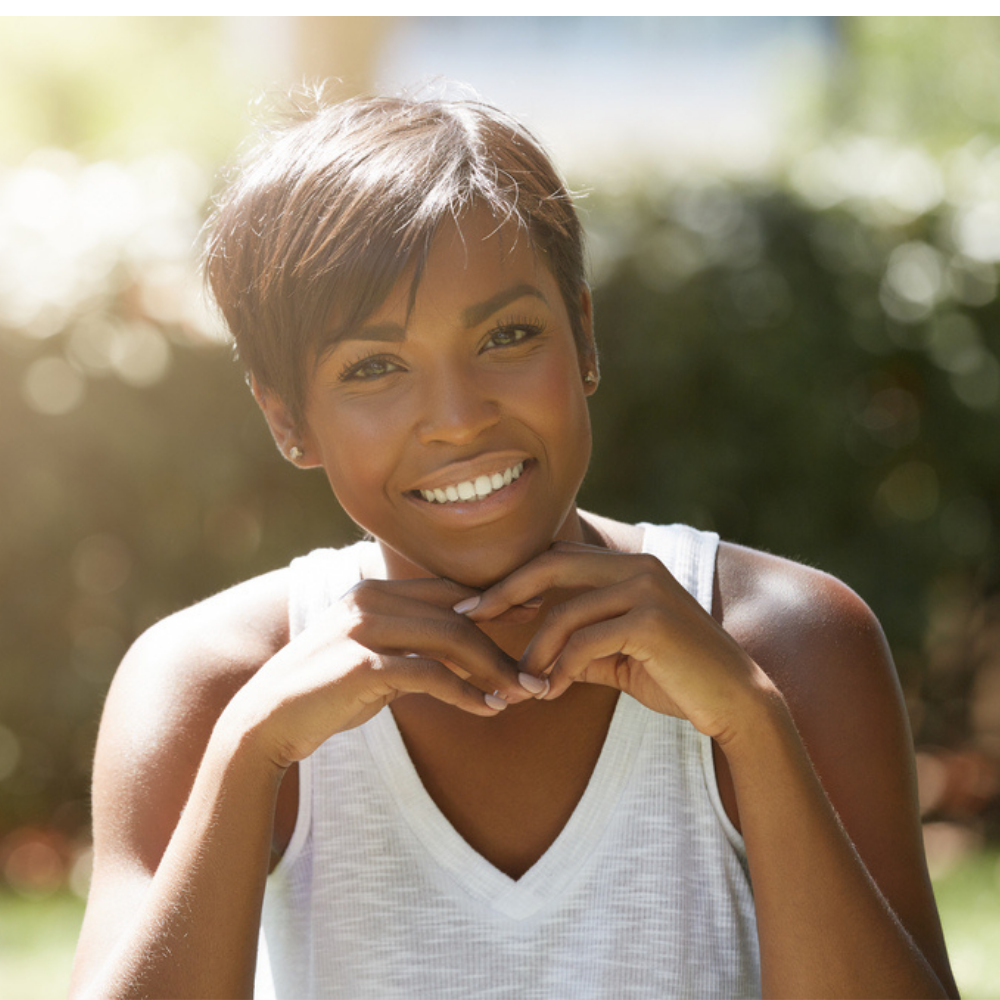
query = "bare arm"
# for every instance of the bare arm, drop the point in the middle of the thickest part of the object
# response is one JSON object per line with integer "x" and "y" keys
{"x": 843, "y": 901}
{"x": 196, "y": 736}
{"x": 838, "y": 739}
{"x": 182, "y": 821}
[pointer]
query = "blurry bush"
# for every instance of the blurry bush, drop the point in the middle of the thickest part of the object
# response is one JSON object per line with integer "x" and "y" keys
{"x": 135, "y": 474}
{"x": 809, "y": 366}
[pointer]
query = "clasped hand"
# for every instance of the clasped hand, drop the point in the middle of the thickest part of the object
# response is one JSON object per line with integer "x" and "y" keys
{"x": 598, "y": 617}
{"x": 628, "y": 624}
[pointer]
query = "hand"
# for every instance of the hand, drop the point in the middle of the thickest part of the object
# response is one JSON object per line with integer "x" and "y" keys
{"x": 628, "y": 624}
{"x": 383, "y": 639}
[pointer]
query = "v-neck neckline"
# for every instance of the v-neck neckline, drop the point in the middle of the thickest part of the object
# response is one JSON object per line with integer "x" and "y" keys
{"x": 552, "y": 873}
{"x": 560, "y": 863}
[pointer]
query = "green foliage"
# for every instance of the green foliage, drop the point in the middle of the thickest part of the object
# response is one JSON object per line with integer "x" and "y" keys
{"x": 818, "y": 381}
{"x": 120, "y": 86}
{"x": 930, "y": 79}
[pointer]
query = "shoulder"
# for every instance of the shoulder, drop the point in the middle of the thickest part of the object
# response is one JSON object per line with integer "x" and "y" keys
{"x": 824, "y": 649}
{"x": 164, "y": 702}
{"x": 778, "y": 604}
{"x": 803, "y": 626}
{"x": 211, "y": 647}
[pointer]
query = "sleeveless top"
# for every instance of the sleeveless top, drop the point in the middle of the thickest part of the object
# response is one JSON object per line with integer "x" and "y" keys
{"x": 645, "y": 892}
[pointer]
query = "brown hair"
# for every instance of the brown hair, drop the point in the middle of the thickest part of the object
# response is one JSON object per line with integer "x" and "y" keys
{"x": 326, "y": 213}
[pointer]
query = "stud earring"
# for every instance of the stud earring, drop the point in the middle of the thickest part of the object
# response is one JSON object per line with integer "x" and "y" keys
{"x": 590, "y": 378}
{"x": 295, "y": 453}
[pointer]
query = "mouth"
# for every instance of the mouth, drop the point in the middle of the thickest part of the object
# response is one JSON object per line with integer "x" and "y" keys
{"x": 472, "y": 490}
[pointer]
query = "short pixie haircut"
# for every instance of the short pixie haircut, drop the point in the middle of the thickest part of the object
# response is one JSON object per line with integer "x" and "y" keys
{"x": 328, "y": 211}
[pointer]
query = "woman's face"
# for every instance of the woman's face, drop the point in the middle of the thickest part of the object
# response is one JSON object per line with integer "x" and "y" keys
{"x": 457, "y": 431}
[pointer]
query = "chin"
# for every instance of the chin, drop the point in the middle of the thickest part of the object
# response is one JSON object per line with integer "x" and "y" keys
{"x": 474, "y": 566}
{"x": 479, "y": 571}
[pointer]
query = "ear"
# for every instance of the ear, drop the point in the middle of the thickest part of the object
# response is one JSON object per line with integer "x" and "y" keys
{"x": 588, "y": 349}
{"x": 284, "y": 430}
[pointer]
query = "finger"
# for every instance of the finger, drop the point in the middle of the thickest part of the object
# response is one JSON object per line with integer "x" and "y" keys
{"x": 419, "y": 675}
{"x": 561, "y": 566}
{"x": 437, "y": 591}
{"x": 415, "y": 628}
{"x": 600, "y": 645}
{"x": 565, "y": 619}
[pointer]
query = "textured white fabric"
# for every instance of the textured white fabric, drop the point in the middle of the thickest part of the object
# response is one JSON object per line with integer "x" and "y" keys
{"x": 643, "y": 894}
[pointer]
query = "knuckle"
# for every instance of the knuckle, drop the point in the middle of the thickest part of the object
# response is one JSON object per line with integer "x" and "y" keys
{"x": 558, "y": 614}
{"x": 452, "y": 629}
{"x": 648, "y": 616}
{"x": 575, "y": 644}
{"x": 650, "y": 565}
{"x": 354, "y": 620}
{"x": 362, "y": 593}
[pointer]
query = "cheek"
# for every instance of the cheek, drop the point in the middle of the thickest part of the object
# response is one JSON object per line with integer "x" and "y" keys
{"x": 356, "y": 449}
{"x": 558, "y": 397}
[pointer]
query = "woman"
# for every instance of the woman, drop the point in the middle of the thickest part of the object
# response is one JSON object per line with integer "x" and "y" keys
{"x": 505, "y": 747}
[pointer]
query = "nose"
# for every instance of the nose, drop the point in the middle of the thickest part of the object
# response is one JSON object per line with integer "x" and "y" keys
{"x": 456, "y": 408}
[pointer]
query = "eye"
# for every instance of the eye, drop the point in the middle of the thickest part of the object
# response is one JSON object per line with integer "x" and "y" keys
{"x": 368, "y": 369}
{"x": 510, "y": 334}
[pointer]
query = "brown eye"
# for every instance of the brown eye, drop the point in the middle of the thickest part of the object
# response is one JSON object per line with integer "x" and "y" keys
{"x": 369, "y": 369}
{"x": 505, "y": 336}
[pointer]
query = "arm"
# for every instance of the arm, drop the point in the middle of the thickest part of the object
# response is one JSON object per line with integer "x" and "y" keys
{"x": 841, "y": 731}
{"x": 843, "y": 902}
{"x": 207, "y": 712}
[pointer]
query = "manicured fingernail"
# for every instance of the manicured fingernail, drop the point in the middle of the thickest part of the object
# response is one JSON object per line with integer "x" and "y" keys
{"x": 535, "y": 685}
{"x": 464, "y": 607}
{"x": 494, "y": 701}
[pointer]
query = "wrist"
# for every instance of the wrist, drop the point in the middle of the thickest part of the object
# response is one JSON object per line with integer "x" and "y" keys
{"x": 240, "y": 740}
{"x": 760, "y": 713}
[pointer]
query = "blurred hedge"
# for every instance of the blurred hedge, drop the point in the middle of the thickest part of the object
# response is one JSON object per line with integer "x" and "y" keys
{"x": 808, "y": 366}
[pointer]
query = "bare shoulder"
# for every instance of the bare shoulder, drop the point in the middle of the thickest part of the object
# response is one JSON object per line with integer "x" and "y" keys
{"x": 165, "y": 699}
{"x": 809, "y": 631}
{"x": 825, "y": 651}
{"x": 216, "y": 642}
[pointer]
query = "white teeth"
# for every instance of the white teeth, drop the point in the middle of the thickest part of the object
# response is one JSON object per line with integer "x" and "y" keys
{"x": 477, "y": 489}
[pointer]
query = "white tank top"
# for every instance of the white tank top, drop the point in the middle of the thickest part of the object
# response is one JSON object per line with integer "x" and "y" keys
{"x": 644, "y": 893}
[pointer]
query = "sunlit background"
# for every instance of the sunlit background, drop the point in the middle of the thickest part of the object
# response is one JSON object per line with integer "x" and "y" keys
{"x": 794, "y": 238}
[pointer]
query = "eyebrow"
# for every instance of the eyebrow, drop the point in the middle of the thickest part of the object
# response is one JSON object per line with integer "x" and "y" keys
{"x": 477, "y": 314}
{"x": 471, "y": 316}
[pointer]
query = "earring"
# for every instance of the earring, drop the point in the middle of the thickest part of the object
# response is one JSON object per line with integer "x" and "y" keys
{"x": 590, "y": 378}
{"x": 295, "y": 453}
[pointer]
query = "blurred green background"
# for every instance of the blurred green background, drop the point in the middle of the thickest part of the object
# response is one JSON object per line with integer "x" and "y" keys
{"x": 796, "y": 296}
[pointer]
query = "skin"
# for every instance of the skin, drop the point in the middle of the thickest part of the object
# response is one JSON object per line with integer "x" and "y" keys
{"x": 195, "y": 786}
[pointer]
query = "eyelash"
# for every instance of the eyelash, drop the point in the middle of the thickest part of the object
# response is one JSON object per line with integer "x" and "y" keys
{"x": 531, "y": 328}
{"x": 352, "y": 368}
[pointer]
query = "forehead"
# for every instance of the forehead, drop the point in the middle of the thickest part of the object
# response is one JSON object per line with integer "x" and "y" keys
{"x": 476, "y": 261}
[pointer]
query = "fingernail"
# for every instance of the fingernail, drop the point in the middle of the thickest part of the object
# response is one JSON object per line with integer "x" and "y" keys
{"x": 494, "y": 701}
{"x": 464, "y": 607}
{"x": 536, "y": 685}
{"x": 535, "y": 602}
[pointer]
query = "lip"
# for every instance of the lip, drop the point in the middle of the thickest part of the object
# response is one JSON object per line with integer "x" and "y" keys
{"x": 475, "y": 511}
{"x": 473, "y": 468}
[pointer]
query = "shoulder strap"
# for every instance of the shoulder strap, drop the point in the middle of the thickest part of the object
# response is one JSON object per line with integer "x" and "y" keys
{"x": 318, "y": 579}
{"x": 688, "y": 553}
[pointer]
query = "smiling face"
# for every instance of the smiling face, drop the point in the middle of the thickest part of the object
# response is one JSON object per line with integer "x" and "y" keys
{"x": 457, "y": 431}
